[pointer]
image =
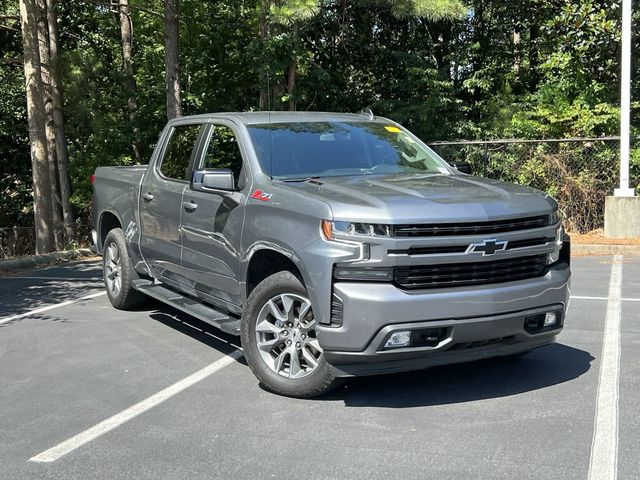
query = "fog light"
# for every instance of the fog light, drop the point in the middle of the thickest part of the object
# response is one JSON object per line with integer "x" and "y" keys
{"x": 550, "y": 319}
{"x": 399, "y": 339}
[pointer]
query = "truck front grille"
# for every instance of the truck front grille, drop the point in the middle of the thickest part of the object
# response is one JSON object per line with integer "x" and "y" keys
{"x": 476, "y": 228}
{"x": 512, "y": 245}
{"x": 465, "y": 274}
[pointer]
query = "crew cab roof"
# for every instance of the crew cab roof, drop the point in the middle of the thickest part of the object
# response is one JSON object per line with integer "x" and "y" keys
{"x": 253, "y": 118}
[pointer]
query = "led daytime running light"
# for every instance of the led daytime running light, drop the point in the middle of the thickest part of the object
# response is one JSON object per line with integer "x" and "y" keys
{"x": 330, "y": 229}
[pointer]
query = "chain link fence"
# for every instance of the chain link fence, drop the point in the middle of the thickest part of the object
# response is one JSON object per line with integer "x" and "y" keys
{"x": 578, "y": 172}
{"x": 17, "y": 241}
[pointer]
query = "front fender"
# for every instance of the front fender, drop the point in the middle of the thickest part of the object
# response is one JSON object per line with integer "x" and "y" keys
{"x": 315, "y": 263}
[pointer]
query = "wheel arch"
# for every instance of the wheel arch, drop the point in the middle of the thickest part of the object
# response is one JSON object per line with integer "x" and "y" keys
{"x": 108, "y": 220}
{"x": 266, "y": 261}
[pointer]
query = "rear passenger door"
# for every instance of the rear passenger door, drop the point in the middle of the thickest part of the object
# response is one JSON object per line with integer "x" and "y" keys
{"x": 212, "y": 221}
{"x": 161, "y": 203}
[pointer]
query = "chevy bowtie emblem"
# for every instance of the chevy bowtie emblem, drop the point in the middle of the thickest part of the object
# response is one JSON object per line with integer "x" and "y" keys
{"x": 487, "y": 247}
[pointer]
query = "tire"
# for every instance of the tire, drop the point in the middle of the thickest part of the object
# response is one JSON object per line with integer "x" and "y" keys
{"x": 118, "y": 273}
{"x": 275, "y": 334}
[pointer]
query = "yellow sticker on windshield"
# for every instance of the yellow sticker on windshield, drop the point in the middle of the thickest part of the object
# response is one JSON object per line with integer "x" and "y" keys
{"x": 392, "y": 129}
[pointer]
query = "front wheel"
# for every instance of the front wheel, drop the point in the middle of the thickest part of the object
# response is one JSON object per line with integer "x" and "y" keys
{"x": 279, "y": 339}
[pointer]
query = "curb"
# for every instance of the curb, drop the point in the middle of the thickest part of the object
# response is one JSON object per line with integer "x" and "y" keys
{"x": 604, "y": 249}
{"x": 15, "y": 265}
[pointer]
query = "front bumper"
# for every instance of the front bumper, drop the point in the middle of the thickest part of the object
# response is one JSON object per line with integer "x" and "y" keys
{"x": 479, "y": 322}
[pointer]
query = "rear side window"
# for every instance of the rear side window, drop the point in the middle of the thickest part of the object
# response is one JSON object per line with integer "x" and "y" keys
{"x": 175, "y": 164}
{"x": 223, "y": 151}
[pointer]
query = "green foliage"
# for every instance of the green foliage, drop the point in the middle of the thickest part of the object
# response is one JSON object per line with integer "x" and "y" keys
{"x": 445, "y": 69}
{"x": 290, "y": 12}
{"x": 433, "y": 10}
{"x": 15, "y": 163}
{"x": 575, "y": 97}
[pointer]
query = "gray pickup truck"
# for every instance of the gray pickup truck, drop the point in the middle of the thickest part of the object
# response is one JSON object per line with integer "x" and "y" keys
{"x": 335, "y": 245}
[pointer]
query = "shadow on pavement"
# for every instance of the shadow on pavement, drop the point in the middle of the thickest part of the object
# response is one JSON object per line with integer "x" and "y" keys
{"x": 196, "y": 329}
{"x": 492, "y": 378}
{"x": 21, "y": 293}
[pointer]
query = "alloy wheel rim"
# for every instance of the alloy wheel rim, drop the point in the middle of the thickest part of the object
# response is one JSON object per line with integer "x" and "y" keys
{"x": 286, "y": 337}
{"x": 113, "y": 266}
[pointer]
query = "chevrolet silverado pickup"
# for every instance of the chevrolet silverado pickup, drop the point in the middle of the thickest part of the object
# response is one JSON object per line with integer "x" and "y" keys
{"x": 334, "y": 245}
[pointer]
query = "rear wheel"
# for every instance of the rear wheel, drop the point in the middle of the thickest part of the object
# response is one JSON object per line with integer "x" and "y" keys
{"x": 279, "y": 339}
{"x": 118, "y": 272}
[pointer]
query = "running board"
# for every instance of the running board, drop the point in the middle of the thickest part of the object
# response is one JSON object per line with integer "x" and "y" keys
{"x": 189, "y": 305}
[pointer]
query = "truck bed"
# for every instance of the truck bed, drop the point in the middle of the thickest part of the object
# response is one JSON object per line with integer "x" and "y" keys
{"x": 116, "y": 190}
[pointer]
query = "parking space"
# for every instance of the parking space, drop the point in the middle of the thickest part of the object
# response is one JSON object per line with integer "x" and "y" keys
{"x": 67, "y": 369}
{"x": 629, "y": 460}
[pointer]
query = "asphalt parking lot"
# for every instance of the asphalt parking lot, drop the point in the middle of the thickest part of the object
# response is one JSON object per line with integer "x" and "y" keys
{"x": 180, "y": 403}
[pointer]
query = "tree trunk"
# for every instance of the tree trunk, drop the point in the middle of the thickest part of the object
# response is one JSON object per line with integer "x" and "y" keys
{"x": 292, "y": 72}
{"x": 126, "y": 34}
{"x": 174, "y": 108}
{"x": 265, "y": 103}
{"x": 291, "y": 85}
{"x": 36, "y": 117}
{"x": 533, "y": 57}
{"x": 517, "y": 57}
{"x": 43, "y": 47}
{"x": 58, "y": 123}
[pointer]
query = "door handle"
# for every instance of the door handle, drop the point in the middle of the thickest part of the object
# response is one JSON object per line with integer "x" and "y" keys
{"x": 147, "y": 196}
{"x": 190, "y": 206}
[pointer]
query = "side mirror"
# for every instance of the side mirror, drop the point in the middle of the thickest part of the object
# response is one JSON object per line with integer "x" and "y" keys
{"x": 217, "y": 180}
{"x": 462, "y": 167}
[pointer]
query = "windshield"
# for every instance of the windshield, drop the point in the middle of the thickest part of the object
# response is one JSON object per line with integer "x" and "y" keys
{"x": 324, "y": 149}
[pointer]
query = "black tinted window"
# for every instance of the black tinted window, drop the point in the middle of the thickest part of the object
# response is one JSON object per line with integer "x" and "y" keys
{"x": 175, "y": 163}
{"x": 223, "y": 151}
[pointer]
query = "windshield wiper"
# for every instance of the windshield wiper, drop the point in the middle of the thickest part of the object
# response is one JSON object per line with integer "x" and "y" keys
{"x": 301, "y": 179}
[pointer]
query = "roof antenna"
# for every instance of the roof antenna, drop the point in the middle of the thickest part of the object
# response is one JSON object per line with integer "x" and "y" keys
{"x": 367, "y": 112}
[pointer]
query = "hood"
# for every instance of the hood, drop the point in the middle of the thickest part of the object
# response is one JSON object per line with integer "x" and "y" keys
{"x": 422, "y": 198}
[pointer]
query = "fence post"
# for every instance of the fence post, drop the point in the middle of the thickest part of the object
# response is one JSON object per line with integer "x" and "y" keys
{"x": 14, "y": 246}
{"x": 485, "y": 160}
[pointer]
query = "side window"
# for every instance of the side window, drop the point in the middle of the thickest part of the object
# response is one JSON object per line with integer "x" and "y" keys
{"x": 223, "y": 151}
{"x": 175, "y": 164}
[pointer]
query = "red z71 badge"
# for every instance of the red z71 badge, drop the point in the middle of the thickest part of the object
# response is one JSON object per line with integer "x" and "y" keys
{"x": 260, "y": 195}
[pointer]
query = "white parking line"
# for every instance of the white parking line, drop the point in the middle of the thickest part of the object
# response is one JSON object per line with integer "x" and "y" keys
{"x": 50, "y": 307}
{"x": 604, "y": 446}
{"x": 118, "y": 419}
{"x": 64, "y": 279}
{"x": 624, "y": 299}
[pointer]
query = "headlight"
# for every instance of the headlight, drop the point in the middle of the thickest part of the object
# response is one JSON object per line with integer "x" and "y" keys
{"x": 555, "y": 217}
{"x": 329, "y": 229}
